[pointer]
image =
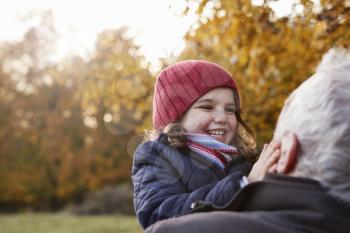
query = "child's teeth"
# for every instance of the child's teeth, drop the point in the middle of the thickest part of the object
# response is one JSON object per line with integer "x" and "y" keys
{"x": 216, "y": 132}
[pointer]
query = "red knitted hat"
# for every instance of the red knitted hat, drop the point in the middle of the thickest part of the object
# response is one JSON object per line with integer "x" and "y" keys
{"x": 180, "y": 85}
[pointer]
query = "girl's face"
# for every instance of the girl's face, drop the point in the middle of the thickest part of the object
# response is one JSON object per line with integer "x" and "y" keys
{"x": 213, "y": 114}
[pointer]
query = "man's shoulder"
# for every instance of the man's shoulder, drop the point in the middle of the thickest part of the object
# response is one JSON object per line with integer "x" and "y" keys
{"x": 223, "y": 221}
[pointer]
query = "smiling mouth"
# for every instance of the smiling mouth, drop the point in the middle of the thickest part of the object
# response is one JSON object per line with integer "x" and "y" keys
{"x": 218, "y": 134}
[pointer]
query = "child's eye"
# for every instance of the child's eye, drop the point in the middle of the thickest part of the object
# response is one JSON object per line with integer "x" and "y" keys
{"x": 231, "y": 110}
{"x": 206, "y": 107}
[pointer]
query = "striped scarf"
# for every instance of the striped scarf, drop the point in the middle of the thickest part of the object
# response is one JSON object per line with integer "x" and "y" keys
{"x": 217, "y": 152}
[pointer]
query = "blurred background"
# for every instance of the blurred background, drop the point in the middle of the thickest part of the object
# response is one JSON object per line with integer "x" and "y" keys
{"x": 76, "y": 86}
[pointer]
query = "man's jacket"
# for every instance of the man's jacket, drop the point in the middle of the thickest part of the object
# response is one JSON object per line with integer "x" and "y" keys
{"x": 279, "y": 204}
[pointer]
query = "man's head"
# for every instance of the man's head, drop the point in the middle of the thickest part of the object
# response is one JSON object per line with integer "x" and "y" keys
{"x": 318, "y": 113}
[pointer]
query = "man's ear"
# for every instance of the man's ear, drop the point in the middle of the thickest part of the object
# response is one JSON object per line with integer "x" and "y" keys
{"x": 289, "y": 151}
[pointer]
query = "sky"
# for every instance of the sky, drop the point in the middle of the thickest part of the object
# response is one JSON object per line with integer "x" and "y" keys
{"x": 156, "y": 27}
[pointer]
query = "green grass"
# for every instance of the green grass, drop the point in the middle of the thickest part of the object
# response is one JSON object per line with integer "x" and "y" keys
{"x": 66, "y": 223}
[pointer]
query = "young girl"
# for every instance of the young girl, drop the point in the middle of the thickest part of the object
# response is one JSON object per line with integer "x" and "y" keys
{"x": 200, "y": 149}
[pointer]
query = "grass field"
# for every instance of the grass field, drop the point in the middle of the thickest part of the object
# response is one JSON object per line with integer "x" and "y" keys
{"x": 66, "y": 223}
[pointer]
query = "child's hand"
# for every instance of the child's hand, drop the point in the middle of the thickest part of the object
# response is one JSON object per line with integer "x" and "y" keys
{"x": 266, "y": 162}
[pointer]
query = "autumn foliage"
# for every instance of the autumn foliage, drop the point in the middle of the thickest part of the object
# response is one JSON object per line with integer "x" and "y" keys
{"x": 268, "y": 55}
{"x": 70, "y": 127}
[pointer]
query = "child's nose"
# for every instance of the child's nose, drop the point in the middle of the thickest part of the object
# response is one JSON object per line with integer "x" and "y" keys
{"x": 220, "y": 117}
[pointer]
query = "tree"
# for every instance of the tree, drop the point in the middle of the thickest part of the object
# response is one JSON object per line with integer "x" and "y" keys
{"x": 65, "y": 127}
{"x": 268, "y": 55}
{"x": 41, "y": 126}
{"x": 116, "y": 103}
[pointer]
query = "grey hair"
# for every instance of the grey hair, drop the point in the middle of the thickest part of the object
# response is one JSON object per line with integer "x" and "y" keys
{"x": 318, "y": 112}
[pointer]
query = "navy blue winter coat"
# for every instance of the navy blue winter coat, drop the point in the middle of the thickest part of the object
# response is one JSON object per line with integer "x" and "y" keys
{"x": 168, "y": 182}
